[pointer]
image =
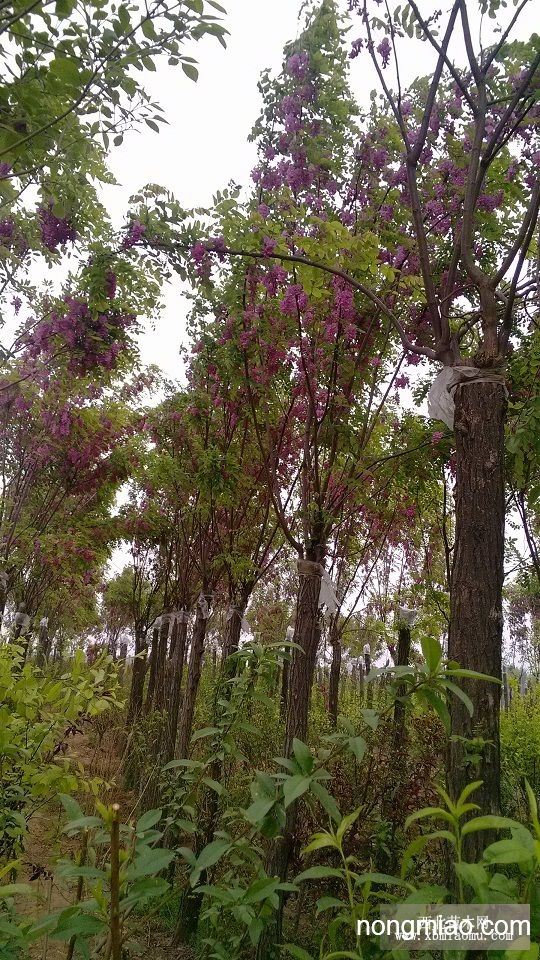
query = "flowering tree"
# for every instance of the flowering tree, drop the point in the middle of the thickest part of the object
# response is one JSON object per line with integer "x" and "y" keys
{"x": 431, "y": 243}
{"x": 312, "y": 361}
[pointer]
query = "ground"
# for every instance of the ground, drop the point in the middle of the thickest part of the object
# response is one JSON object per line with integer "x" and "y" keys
{"x": 101, "y": 756}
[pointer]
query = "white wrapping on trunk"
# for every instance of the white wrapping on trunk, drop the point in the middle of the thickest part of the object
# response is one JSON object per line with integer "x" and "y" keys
{"x": 406, "y": 616}
{"x": 440, "y": 396}
{"x": 204, "y": 606}
{"x": 440, "y": 401}
{"x": 327, "y": 594}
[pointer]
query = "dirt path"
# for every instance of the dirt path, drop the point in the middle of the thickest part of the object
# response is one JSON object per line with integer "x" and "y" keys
{"x": 46, "y": 844}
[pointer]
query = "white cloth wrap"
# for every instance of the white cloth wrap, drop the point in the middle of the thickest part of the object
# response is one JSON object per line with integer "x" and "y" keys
{"x": 327, "y": 594}
{"x": 440, "y": 397}
{"x": 405, "y": 616}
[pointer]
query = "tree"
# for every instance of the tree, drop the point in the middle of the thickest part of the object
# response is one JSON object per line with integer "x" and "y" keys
{"x": 445, "y": 187}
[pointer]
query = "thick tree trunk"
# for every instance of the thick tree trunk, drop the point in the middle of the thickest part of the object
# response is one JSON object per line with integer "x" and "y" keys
{"x": 233, "y": 632}
{"x": 302, "y": 669}
{"x": 175, "y": 686}
{"x": 476, "y": 618}
{"x": 335, "y": 674}
{"x": 137, "y": 677}
{"x": 192, "y": 685}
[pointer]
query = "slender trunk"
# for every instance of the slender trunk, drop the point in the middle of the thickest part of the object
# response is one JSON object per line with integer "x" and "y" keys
{"x": 153, "y": 668}
{"x": 161, "y": 664}
{"x": 191, "y": 903}
{"x": 234, "y": 630}
{"x": 476, "y": 618}
{"x": 302, "y": 668}
{"x": 192, "y": 684}
{"x": 285, "y": 669}
{"x": 175, "y": 686}
{"x": 43, "y": 646}
{"x": 402, "y": 660}
{"x": 335, "y": 673}
{"x": 137, "y": 677}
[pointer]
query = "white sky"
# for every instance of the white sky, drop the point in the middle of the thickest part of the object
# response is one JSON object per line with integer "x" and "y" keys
{"x": 205, "y": 144}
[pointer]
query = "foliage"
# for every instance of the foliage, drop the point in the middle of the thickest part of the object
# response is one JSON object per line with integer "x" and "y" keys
{"x": 39, "y": 715}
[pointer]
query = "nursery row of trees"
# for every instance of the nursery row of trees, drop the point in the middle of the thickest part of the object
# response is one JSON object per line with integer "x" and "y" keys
{"x": 383, "y": 253}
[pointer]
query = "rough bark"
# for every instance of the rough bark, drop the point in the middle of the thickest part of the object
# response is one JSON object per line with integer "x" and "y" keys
{"x": 192, "y": 684}
{"x": 153, "y": 669}
{"x": 285, "y": 669}
{"x": 476, "y": 619}
{"x": 175, "y": 687}
{"x": 161, "y": 664}
{"x": 137, "y": 676}
{"x": 302, "y": 668}
{"x": 403, "y": 656}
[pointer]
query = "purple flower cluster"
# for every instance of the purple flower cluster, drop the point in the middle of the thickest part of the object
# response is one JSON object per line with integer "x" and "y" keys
{"x": 6, "y": 231}
{"x": 295, "y": 299}
{"x": 384, "y": 50}
{"x": 92, "y": 340}
{"x": 297, "y": 65}
{"x": 55, "y": 230}
{"x": 134, "y": 235}
{"x": 110, "y": 284}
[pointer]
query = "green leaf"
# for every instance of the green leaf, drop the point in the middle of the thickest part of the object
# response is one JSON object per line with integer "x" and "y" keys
{"x": 461, "y": 695}
{"x": 438, "y": 705}
{"x": 318, "y": 873}
{"x": 303, "y": 756}
{"x": 319, "y": 841}
{"x": 258, "y": 809}
{"x": 358, "y": 746}
{"x": 487, "y": 823}
{"x": 71, "y": 806}
{"x": 148, "y": 30}
{"x": 148, "y": 820}
{"x": 326, "y": 800}
{"x": 435, "y": 813}
{"x": 507, "y": 851}
{"x": 294, "y": 787}
{"x": 432, "y": 652}
{"x": 204, "y": 732}
{"x": 328, "y": 903}
{"x": 297, "y": 952}
{"x": 190, "y": 71}
{"x": 211, "y": 854}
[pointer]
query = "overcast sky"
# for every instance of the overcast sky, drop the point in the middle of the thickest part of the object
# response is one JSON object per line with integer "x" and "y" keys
{"x": 205, "y": 143}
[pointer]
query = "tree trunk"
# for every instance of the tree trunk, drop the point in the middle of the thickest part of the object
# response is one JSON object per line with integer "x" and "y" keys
{"x": 192, "y": 685}
{"x": 476, "y": 618}
{"x": 137, "y": 677}
{"x": 307, "y": 636}
{"x": 402, "y": 660}
{"x": 175, "y": 686}
{"x": 161, "y": 663}
{"x": 153, "y": 669}
{"x": 285, "y": 669}
{"x": 335, "y": 673}
{"x": 234, "y": 630}
{"x": 302, "y": 668}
